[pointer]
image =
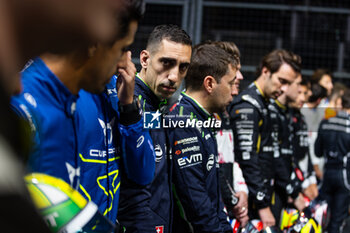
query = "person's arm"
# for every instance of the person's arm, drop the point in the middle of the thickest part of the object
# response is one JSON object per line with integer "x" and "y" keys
{"x": 239, "y": 183}
{"x": 246, "y": 140}
{"x": 192, "y": 166}
{"x": 318, "y": 146}
{"x": 136, "y": 143}
{"x": 310, "y": 184}
{"x": 246, "y": 134}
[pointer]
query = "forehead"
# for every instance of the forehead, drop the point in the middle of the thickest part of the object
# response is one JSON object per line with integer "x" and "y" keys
{"x": 231, "y": 73}
{"x": 177, "y": 51}
{"x": 286, "y": 72}
{"x": 326, "y": 78}
{"x": 304, "y": 88}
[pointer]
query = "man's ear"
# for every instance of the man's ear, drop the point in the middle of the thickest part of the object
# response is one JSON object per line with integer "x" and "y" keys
{"x": 209, "y": 84}
{"x": 144, "y": 58}
{"x": 265, "y": 72}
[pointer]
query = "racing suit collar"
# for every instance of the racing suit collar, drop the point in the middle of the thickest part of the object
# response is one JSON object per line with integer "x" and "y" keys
{"x": 197, "y": 105}
{"x": 149, "y": 96}
{"x": 279, "y": 104}
{"x": 259, "y": 89}
{"x": 59, "y": 91}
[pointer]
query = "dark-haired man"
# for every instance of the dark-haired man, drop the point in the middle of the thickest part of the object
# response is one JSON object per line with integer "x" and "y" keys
{"x": 252, "y": 132}
{"x": 333, "y": 142}
{"x": 164, "y": 65}
{"x": 288, "y": 177}
{"x": 301, "y": 141}
{"x": 82, "y": 133}
{"x": 314, "y": 114}
{"x": 210, "y": 86}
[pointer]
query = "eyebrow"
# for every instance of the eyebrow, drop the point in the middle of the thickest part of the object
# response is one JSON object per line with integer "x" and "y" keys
{"x": 169, "y": 59}
{"x": 285, "y": 80}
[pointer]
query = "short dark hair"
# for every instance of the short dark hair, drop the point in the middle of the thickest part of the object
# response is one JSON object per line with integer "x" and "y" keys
{"x": 345, "y": 99}
{"x": 230, "y": 47}
{"x": 275, "y": 59}
{"x": 337, "y": 91}
{"x": 169, "y": 32}
{"x": 318, "y": 92}
{"x": 318, "y": 74}
{"x": 207, "y": 59}
{"x": 132, "y": 10}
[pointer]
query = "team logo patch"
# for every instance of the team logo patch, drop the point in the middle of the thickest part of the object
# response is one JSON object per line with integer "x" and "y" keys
{"x": 159, "y": 153}
{"x": 159, "y": 229}
{"x": 210, "y": 162}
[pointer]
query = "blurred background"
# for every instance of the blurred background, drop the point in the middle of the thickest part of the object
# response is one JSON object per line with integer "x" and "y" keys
{"x": 317, "y": 30}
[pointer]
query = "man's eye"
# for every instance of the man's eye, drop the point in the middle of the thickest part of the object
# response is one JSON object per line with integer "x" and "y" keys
{"x": 184, "y": 67}
{"x": 165, "y": 62}
{"x": 283, "y": 81}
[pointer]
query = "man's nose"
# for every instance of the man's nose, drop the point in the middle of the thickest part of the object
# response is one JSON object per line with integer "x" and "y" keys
{"x": 174, "y": 75}
{"x": 239, "y": 75}
{"x": 284, "y": 88}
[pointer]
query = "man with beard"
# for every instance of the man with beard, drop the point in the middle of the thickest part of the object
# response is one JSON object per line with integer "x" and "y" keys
{"x": 164, "y": 65}
{"x": 252, "y": 130}
{"x": 210, "y": 86}
{"x": 288, "y": 176}
{"x": 301, "y": 141}
{"x": 232, "y": 184}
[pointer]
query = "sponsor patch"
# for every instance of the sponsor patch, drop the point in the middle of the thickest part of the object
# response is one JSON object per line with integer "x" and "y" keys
{"x": 192, "y": 148}
{"x": 186, "y": 141}
{"x": 245, "y": 110}
{"x": 190, "y": 160}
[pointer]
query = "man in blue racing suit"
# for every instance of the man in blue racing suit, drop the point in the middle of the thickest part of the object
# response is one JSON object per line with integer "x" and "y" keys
{"x": 210, "y": 84}
{"x": 81, "y": 137}
{"x": 164, "y": 65}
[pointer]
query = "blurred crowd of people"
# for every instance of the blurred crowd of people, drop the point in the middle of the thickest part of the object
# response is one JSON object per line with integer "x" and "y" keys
{"x": 75, "y": 108}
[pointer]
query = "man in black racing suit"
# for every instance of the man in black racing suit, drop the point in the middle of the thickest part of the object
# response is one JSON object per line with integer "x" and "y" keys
{"x": 252, "y": 130}
{"x": 288, "y": 176}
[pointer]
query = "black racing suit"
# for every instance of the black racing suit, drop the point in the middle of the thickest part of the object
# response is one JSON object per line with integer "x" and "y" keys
{"x": 253, "y": 145}
{"x": 333, "y": 142}
{"x": 286, "y": 181}
{"x": 301, "y": 147}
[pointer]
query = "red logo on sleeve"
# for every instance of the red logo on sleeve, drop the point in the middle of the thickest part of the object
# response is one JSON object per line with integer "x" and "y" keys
{"x": 159, "y": 229}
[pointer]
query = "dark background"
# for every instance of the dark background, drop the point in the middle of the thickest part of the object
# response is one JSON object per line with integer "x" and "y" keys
{"x": 319, "y": 31}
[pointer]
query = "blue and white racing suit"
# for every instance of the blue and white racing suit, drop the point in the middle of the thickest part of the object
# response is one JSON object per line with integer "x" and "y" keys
{"x": 79, "y": 138}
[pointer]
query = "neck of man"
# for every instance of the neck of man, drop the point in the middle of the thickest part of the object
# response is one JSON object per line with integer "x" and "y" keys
{"x": 260, "y": 82}
{"x": 202, "y": 98}
{"x": 65, "y": 70}
{"x": 283, "y": 99}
